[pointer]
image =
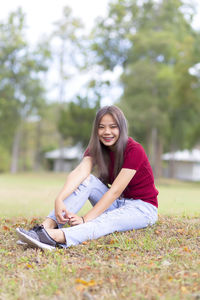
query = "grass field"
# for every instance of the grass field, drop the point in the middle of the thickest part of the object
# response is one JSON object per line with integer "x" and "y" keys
{"x": 33, "y": 195}
{"x": 160, "y": 262}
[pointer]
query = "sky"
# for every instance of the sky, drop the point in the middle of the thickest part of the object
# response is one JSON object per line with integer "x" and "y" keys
{"x": 41, "y": 14}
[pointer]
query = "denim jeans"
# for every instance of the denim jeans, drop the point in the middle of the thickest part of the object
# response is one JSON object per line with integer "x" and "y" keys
{"x": 123, "y": 214}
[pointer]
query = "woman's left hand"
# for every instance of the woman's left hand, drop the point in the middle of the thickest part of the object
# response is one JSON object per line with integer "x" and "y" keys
{"x": 74, "y": 220}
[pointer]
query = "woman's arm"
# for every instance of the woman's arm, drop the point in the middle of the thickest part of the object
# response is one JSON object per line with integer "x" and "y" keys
{"x": 117, "y": 188}
{"x": 74, "y": 179}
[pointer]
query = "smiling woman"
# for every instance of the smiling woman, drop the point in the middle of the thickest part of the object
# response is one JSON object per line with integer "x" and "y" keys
{"x": 124, "y": 196}
{"x": 108, "y": 131}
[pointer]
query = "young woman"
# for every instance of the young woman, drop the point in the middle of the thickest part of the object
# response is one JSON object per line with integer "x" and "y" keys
{"x": 123, "y": 197}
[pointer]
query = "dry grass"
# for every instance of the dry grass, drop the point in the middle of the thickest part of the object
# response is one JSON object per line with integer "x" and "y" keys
{"x": 161, "y": 262}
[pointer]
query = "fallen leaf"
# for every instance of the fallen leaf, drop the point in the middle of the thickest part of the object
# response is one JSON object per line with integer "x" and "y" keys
{"x": 6, "y": 228}
{"x": 157, "y": 232}
{"x": 111, "y": 242}
{"x": 29, "y": 266}
{"x": 133, "y": 255}
{"x": 170, "y": 278}
{"x": 34, "y": 220}
{"x": 186, "y": 249}
{"x": 86, "y": 283}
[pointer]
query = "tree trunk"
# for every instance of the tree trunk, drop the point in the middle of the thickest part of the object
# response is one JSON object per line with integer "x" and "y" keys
{"x": 172, "y": 162}
{"x": 61, "y": 99}
{"x": 23, "y": 150}
{"x": 158, "y": 161}
{"x": 37, "y": 159}
{"x": 151, "y": 145}
{"x": 15, "y": 150}
{"x": 155, "y": 150}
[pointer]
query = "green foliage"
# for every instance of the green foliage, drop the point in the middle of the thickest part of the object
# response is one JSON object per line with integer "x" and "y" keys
{"x": 22, "y": 94}
{"x": 76, "y": 121}
{"x": 11, "y": 50}
{"x": 156, "y": 46}
{"x": 152, "y": 41}
{"x": 8, "y": 119}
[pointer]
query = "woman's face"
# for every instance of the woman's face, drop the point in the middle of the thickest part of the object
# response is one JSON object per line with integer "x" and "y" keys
{"x": 108, "y": 131}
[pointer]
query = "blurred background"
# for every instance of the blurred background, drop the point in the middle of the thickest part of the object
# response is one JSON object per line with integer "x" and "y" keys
{"x": 60, "y": 61}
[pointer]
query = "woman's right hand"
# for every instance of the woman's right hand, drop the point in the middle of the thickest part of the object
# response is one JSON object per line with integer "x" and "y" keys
{"x": 62, "y": 215}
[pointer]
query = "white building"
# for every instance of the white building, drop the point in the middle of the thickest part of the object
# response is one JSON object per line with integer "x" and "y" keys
{"x": 186, "y": 164}
{"x": 65, "y": 159}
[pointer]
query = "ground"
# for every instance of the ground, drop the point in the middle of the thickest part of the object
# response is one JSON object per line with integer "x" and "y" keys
{"x": 159, "y": 262}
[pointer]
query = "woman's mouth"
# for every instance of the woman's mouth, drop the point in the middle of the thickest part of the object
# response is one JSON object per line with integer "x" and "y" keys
{"x": 108, "y": 139}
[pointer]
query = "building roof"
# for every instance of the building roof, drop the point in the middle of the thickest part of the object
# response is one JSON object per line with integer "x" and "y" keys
{"x": 74, "y": 152}
{"x": 185, "y": 155}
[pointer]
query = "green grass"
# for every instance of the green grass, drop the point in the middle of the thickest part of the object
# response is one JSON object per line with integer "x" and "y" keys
{"x": 159, "y": 262}
{"x": 179, "y": 198}
{"x": 29, "y": 194}
{"x": 34, "y": 194}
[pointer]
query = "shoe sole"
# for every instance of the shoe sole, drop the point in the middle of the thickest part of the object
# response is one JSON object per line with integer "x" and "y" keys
{"x": 21, "y": 243}
{"x": 32, "y": 242}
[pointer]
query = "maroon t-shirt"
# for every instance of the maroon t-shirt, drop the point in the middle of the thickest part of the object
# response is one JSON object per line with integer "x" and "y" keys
{"x": 142, "y": 184}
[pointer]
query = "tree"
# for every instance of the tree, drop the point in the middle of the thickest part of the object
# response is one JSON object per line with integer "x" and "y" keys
{"x": 21, "y": 87}
{"x": 149, "y": 40}
{"x": 76, "y": 121}
{"x": 65, "y": 41}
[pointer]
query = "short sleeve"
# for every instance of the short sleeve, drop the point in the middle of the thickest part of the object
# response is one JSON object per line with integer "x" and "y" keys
{"x": 134, "y": 156}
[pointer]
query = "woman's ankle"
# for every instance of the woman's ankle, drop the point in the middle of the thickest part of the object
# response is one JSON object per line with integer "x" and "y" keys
{"x": 49, "y": 223}
{"x": 57, "y": 235}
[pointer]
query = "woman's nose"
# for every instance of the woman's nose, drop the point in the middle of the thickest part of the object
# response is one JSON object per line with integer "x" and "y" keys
{"x": 107, "y": 130}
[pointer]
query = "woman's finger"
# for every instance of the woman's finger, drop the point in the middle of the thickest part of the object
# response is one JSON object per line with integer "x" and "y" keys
{"x": 61, "y": 218}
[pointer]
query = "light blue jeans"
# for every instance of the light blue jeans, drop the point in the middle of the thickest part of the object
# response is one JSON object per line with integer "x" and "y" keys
{"x": 123, "y": 214}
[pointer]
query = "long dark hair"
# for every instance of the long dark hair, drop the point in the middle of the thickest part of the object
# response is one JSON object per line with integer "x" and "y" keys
{"x": 99, "y": 152}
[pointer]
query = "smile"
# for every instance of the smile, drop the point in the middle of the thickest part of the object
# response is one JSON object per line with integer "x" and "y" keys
{"x": 108, "y": 139}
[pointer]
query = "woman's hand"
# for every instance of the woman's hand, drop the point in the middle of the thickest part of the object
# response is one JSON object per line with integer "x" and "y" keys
{"x": 75, "y": 220}
{"x": 62, "y": 214}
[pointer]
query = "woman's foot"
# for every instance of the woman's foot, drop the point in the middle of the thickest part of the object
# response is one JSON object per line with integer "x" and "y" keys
{"x": 32, "y": 233}
{"x": 39, "y": 238}
{"x": 48, "y": 223}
